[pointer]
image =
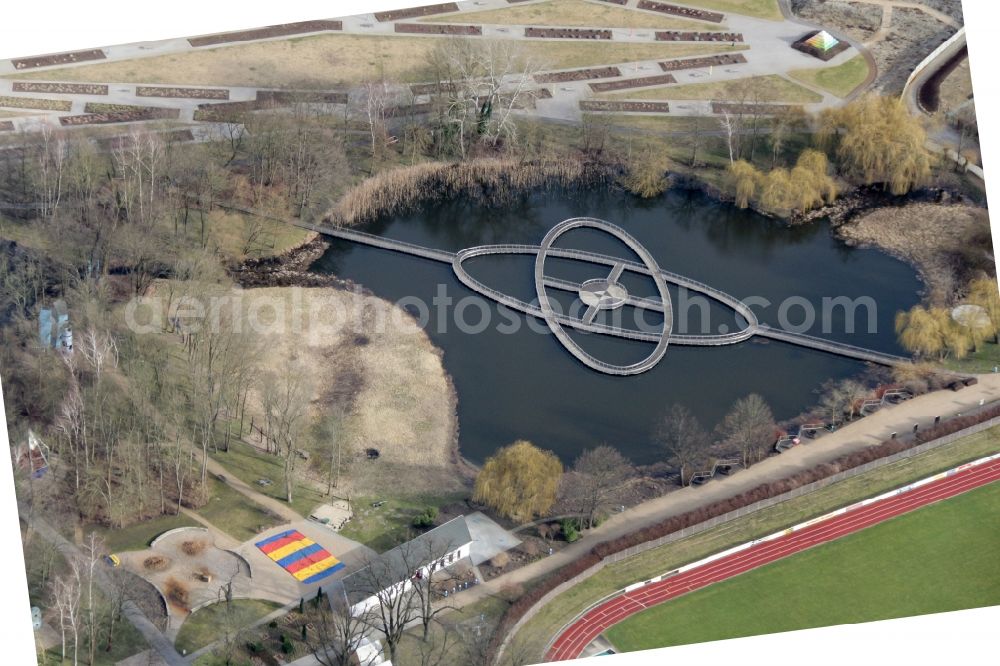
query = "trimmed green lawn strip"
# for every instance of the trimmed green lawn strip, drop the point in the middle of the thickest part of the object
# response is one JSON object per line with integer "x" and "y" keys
{"x": 937, "y": 559}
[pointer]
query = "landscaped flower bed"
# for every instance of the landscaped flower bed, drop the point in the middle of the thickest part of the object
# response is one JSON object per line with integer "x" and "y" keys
{"x": 58, "y": 59}
{"x": 640, "y": 82}
{"x": 63, "y": 88}
{"x": 182, "y": 93}
{"x": 36, "y": 103}
{"x": 579, "y": 75}
{"x": 280, "y": 30}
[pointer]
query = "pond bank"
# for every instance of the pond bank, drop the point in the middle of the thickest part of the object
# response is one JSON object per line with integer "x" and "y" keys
{"x": 366, "y": 356}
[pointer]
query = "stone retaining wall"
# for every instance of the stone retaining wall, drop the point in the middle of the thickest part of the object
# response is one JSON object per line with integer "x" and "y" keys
{"x": 567, "y": 33}
{"x": 431, "y": 88}
{"x": 439, "y": 29}
{"x": 735, "y": 107}
{"x": 114, "y": 142}
{"x": 269, "y": 98}
{"x": 624, "y": 107}
{"x": 641, "y": 82}
{"x": 686, "y": 36}
{"x": 67, "y": 58}
{"x": 280, "y": 30}
{"x": 413, "y": 12}
{"x": 707, "y": 61}
{"x": 35, "y": 103}
{"x": 182, "y": 93}
{"x": 578, "y": 75}
{"x": 136, "y": 115}
{"x": 63, "y": 88}
{"x": 686, "y": 12}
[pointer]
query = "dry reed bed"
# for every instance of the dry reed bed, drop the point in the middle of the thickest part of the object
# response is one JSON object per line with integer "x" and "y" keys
{"x": 491, "y": 181}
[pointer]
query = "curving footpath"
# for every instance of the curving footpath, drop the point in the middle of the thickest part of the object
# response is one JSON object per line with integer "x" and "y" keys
{"x": 572, "y": 641}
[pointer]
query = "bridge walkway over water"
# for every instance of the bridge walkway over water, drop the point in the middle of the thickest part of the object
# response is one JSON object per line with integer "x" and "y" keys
{"x": 753, "y": 328}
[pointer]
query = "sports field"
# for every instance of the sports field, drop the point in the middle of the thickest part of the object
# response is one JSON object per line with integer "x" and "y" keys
{"x": 939, "y": 558}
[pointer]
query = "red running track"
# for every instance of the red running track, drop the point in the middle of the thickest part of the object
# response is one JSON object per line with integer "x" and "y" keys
{"x": 572, "y": 641}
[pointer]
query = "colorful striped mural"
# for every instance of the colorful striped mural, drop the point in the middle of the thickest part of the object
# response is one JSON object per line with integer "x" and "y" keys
{"x": 300, "y": 556}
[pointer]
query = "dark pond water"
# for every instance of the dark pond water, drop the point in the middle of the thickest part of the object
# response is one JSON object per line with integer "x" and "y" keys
{"x": 525, "y": 385}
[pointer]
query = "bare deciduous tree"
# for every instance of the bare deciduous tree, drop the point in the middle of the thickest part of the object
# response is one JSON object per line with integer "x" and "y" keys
{"x": 601, "y": 473}
{"x": 285, "y": 402}
{"x": 336, "y": 632}
{"x": 749, "y": 426}
{"x": 683, "y": 439}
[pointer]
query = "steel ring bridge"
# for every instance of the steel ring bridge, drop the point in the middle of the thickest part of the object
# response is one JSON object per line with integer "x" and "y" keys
{"x": 607, "y": 293}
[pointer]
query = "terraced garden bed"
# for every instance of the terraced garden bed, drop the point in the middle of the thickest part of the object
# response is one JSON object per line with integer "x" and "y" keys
{"x": 414, "y": 12}
{"x": 67, "y": 58}
{"x": 280, "y": 30}
{"x": 566, "y": 33}
{"x": 624, "y": 107}
{"x": 708, "y": 61}
{"x": 578, "y": 75}
{"x": 62, "y": 88}
{"x": 36, "y": 103}
{"x": 126, "y": 115}
{"x": 182, "y": 93}
{"x": 685, "y": 12}
{"x": 731, "y": 107}
{"x": 439, "y": 29}
{"x": 686, "y": 36}
{"x": 641, "y": 82}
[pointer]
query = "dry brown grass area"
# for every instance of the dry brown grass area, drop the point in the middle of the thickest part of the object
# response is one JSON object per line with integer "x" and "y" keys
{"x": 329, "y": 61}
{"x": 956, "y": 87}
{"x": 571, "y": 13}
{"x": 772, "y": 88}
{"x": 932, "y": 237}
{"x": 368, "y": 356}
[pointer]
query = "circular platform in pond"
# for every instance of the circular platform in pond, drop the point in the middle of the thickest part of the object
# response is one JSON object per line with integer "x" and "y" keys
{"x": 603, "y": 294}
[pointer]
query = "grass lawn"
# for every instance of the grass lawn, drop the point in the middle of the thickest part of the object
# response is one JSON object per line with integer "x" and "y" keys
{"x": 839, "y": 80}
{"x": 461, "y": 620}
{"x": 325, "y": 61}
{"x": 230, "y": 230}
{"x": 232, "y": 512}
{"x": 765, "y": 9}
{"x": 564, "y": 607}
{"x": 772, "y": 88}
{"x": 249, "y": 465}
{"x": 204, "y": 626}
{"x": 572, "y": 13}
{"x": 981, "y": 361}
{"x": 138, "y": 536}
{"x": 126, "y": 643}
{"x": 390, "y": 524}
{"x": 936, "y": 559}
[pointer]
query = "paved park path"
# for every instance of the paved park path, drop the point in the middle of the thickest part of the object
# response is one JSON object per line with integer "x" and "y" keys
{"x": 768, "y": 53}
{"x": 162, "y": 645}
{"x": 858, "y": 435}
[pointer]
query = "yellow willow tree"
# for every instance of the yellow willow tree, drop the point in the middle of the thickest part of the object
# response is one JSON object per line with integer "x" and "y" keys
{"x": 919, "y": 331}
{"x": 958, "y": 339}
{"x": 743, "y": 179}
{"x": 823, "y": 187}
{"x": 983, "y": 292}
{"x": 519, "y": 481}
{"x": 876, "y": 140}
{"x": 775, "y": 192}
